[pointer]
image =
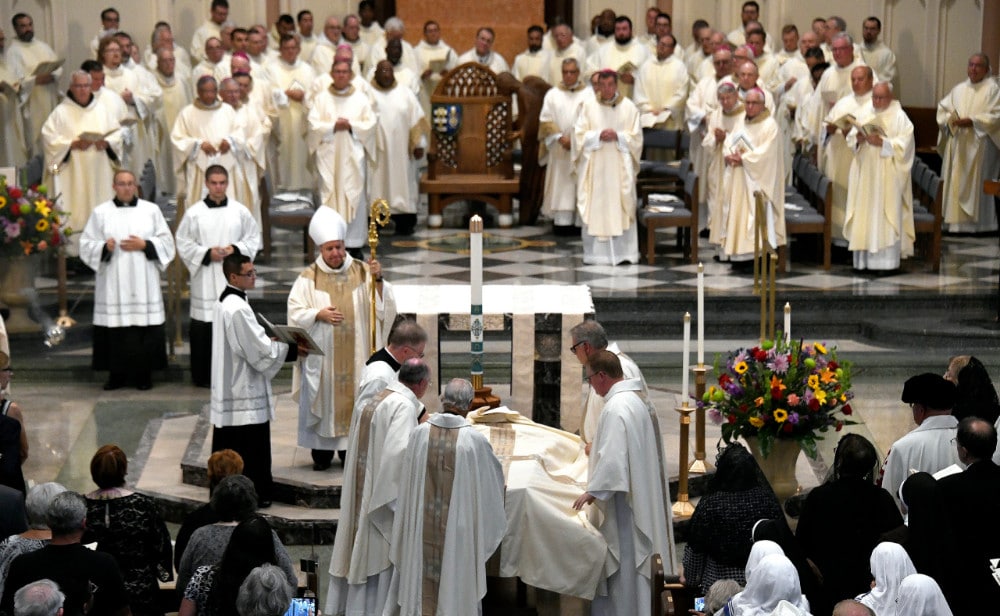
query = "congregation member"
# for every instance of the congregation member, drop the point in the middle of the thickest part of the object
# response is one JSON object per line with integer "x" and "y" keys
{"x": 564, "y": 47}
{"x": 211, "y": 230}
{"x": 970, "y": 503}
{"x": 211, "y": 28}
{"x": 91, "y": 580}
{"x": 435, "y": 58}
{"x": 920, "y": 595}
{"x": 264, "y": 592}
{"x": 754, "y": 163}
{"x": 661, "y": 88}
{"x": 534, "y": 61}
{"x": 203, "y": 134}
{"x": 878, "y": 220}
{"x": 331, "y": 299}
{"x": 724, "y": 118}
{"x": 439, "y": 564}
{"x": 607, "y": 143}
{"x": 37, "y": 535}
{"x": 13, "y": 148}
{"x": 876, "y": 53}
{"x": 25, "y": 55}
{"x": 360, "y": 570}
{"x": 976, "y": 394}
{"x": 220, "y": 464}
{"x": 41, "y": 598}
{"x": 837, "y": 156}
{"x": 624, "y": 55}
{"x": 289, "y": 79}
{"x": 889, "y": 566}
{"x": 407, "y": 340}
{"x": 928, "y": 447}
{"x": 482, "y": 52}
{"x": 244, "y": 360}
{"x": 968, "y": 121}
{"x": 627, "y": 474}
{"x": 555, "y": 144}
{"x": 400, "y": 145}
{"x": 588, "y": 338}
{"x": 773, "y": 588}
{"x": 141, "y": 99}
{"x": 128, "y": 245}
{"x": 82, "y": 143}
{"x": 177, "y": 94}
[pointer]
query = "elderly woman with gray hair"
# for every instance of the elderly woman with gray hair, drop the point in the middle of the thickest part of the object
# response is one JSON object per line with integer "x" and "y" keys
{"x": 265, "y": 592}
{"x": 38, "y": 534}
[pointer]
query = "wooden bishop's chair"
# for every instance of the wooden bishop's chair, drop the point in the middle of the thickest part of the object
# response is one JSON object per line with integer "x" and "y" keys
{"x": 471, "y": 153}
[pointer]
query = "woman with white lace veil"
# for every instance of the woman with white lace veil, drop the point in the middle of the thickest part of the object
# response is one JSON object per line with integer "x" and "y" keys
{"x": 920, "y": 595}
{"x": 774, "y": 580}
{"x": 890, "y": 564}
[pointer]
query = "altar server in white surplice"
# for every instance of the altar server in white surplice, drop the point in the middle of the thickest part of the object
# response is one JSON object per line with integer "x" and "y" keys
{"x": 837, "y": 156}
{"x": 440, "y": 560}
{"x": 211, "y": 230}
{"x": 401, "y": 141}
{"x": 879, "y": 220}
{"x": 24, "y": 56}
{"x": 720, "y": 124}
{"x": 128, "y": 244}
{"x": 177, "y": 94}
{"x": 661, "y": 88}
{"x": 753, "y": 163}
{"x": 555, "y": 147}
{"x": 607, "y": 142}
{"x": 627, "y": 474}
{"x": 331, "y": 299}
{"x": 289, "y": 79}
{"x": 548, "y": 545}
{"x": 342, "y": 135}
{"x": 203, "y": 134}
{"x": 969, "y": 141}
{"x": 360, "y": 571}
{"x": 82, "y": 143}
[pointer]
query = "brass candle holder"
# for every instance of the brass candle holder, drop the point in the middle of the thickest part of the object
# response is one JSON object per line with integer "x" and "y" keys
{"x": 700, "y": 465}
{"x": 683, "y": 508}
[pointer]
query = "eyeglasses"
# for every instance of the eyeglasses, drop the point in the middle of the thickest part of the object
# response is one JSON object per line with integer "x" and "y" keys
{"x": 590, "y": 376}
{"x": 419, "y": 354}
{"x": 251, "y": 274}
{"x": 573, "y": 348}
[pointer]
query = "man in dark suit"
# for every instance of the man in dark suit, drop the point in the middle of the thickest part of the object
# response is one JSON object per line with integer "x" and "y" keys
{"x": 970, "y": 508}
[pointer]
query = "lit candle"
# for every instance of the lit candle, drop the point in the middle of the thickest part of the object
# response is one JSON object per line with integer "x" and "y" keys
{"x": 476, "y": 288}
{"x": 788, "y": 322}
{"x": 687, "y": 352}
{"x": 701, "y": 315}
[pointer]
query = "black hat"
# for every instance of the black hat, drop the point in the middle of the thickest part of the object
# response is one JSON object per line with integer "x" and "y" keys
{"x": 931, "y": 390}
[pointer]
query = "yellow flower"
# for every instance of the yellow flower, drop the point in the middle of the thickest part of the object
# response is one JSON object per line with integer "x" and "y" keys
{"x": 3, "y": 202}
{"x": 819, "y": 348}
{"x": 780, "y": 415}
{"x": 756, "y": 422}
{"x": 813, "y": 381}
{"x": 759, "y": 401}
{"x": 820, "y": 395}
{"x": 42, "y": 208}
{"x": 741, "y": 367}
{"x": 843, "y": 397}
{"x": 42, "y": 225}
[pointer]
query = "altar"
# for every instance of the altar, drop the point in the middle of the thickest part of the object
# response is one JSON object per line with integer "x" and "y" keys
{"x": 546, "y": 378}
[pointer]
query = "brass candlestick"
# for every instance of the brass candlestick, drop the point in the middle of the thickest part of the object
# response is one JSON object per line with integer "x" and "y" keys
{"x": 700, "y": 464}
{"x": 682, "y": 508}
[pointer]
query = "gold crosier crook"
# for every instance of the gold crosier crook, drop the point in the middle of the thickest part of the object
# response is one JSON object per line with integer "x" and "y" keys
{"x": 378, "y": 217}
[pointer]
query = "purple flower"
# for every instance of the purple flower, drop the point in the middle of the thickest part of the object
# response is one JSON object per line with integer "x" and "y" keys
{"x": 808, "y": 396}
{"x": 778, "y": 363}
{"x": 715, "y": 415}
{"x": 743, "y": 355}
{"x": 12, "y": 229}
{"x": 793, "y": 418}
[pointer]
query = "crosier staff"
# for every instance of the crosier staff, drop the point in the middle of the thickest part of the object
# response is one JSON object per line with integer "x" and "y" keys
{"x": 378, "y": 217}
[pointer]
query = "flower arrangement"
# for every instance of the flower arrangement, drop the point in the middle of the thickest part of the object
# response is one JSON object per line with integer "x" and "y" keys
{"x": 29, "y": 220}
{"x": 781, "y": 390}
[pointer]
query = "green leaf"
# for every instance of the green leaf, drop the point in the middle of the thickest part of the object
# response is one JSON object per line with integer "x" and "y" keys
{"x": 808, "y": 444}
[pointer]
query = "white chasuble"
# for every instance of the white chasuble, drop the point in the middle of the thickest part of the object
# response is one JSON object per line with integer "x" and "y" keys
{"x": 294, "y": 164}
{"x": 197, "y": 124}
{"x": 837, "y": 157}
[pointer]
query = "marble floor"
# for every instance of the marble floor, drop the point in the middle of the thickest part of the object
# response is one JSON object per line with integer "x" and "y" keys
{"x": 68, "y": 415}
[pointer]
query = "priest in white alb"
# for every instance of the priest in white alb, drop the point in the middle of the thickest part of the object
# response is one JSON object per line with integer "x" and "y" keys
{"x": 141, "y": 99}
{"x": 555, "y": 146}
{"x": 289, "y": 80}
{"x": 342, "y": 136}
{"x": 13, "y": 148}
{"x": 253, "y": 127}
{"x": 628, "y": 476}
{"x": 211, "y": 230}
{"x": 435, "y": 58}
{"x": 440, "y": 558}
{"x": 879, "y": 219}
{"x": 82, "y": 144}
{"x": 702, "y": 99}
{"x": 661, "y": 88}
{"x": 360, "y": 571}
{"x": 625, "y": 54}
{"x": 331, "y": 299}
{"x": 836, "y": 155}
{"x": 721, "y": 123}
{"x": 128, "y": 245}
{"x": 969, "y": 143}
{"x": 401, "y": 140}
{"x": 607, "y": 142}
{"x": 754, "y": 163}
{"x": 204, "y": 134}
{"x": 835, "y": 84}
{"x": 26, "y": 55}
{"x": 177, "y": 94}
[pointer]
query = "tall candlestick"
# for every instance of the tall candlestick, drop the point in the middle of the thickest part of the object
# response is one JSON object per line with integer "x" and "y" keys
{"x": 687, "y": 351}
{"x": 476, "y": 288}
{"x": 701, "y": 315}
{"x": 788, "y": 322}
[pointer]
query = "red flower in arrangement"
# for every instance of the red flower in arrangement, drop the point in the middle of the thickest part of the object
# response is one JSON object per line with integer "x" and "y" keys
{"x": 15, "y": 192}
{"x": 840, "y": 426}
{"x": 28, "y": 220}
{"x": 725, "y": 379}
{"x": 787, "y": 428}
{"x": 759, "y": 354}
{"x": 814, "y": 405}
{"x": 15, "y": 209}
{"x": 731, "y": 419}
{"x": 744, "y": 408}
{"x": 833, "y": 365}
{"x": 847, "y": 409}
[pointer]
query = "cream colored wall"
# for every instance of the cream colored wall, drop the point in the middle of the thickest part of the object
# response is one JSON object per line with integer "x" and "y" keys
{"x": 927, "y": 72}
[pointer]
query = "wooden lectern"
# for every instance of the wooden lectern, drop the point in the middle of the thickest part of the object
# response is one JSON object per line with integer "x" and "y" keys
{"x": 470, "y": 155}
